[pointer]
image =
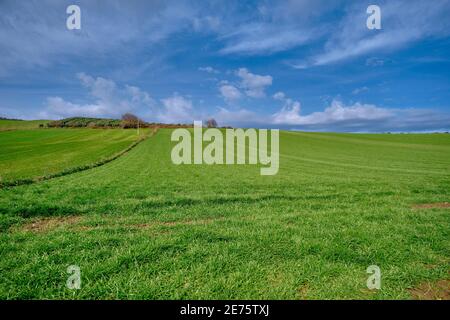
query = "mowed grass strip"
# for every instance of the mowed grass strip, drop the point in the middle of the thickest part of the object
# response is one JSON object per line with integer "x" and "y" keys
{"x": 142, "y": 228}
{"x": 27, "y": 154}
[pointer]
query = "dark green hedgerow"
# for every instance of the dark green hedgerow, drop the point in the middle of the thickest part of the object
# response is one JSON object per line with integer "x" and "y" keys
{"x": 80, "y": 122}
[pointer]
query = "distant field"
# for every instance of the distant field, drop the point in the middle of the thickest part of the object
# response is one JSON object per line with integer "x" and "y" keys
{"x": 32, "y": 153}
{"x": 19, "y": 124}
{"x": 140, "y": 227}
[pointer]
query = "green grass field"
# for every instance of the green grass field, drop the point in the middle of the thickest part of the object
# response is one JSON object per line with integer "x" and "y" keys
{"x": 140, "y": 227}
{"x": 20, "y": 124}
{"x": 32, "y": 153}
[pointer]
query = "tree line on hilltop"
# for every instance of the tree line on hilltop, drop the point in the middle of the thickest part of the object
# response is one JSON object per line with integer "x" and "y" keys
{"x": 127, "y": 121}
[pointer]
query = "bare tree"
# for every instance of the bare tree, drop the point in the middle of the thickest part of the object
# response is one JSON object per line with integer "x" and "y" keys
{"x": 129, "y": 120}
{"x": 211, "y": 123}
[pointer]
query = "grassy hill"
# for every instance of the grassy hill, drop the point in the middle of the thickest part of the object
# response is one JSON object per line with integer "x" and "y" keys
{"x": 6, "y": 124}
{"x": 140, "y": 227}
{"x": 33, "y": 153}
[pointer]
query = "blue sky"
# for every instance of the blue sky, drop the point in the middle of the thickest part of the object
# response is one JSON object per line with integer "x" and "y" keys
{"x": 303, "y": 65}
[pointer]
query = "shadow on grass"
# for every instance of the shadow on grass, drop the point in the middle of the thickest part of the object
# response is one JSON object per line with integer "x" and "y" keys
{"x": 245, "y": 200}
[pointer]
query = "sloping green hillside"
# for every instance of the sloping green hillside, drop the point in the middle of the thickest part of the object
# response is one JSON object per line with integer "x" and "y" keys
{"x": 32, "y": 153}
{"x": 141, "y": 227}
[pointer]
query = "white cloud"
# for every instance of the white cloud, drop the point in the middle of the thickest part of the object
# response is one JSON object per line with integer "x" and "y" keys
{"x": 103, "y": 89}
{"x": 110, "y": 100}
{"x": 260, "y": 38}
{"x": 230, "y": 92}
{"x": 279, "y": 96}
{"x": 289, "y": 113}
{"x": 57, "y": 107}
{"x": 209, "y": 69}
{"x": 177, "y": 109}
{"x": 336, "y": 113}
{"x": 139, "y": 96}
{"x": 360, "y": 90}
{"x": 357, "y": 117}
{"x": 253, "y": 84}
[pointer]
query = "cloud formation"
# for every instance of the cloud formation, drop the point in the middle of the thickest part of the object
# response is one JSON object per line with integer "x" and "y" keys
{"x": 257, "y": 39}
{"x": 186, "y": 46}
{"x": 209, "y": 69}
{"x": 360, "y": 90}
{"x": 109, "y": 100}
{"x": 176, "y": 109}
{"x": 336, "y": 113}
{"x": 34, "y": 33}
{"x": 229, "y": 92}
{"x": 359, "y": 117}
{"x": 112, "y": 100}
{"x": 254, "y": 85}
{"x": 265, "y": 28}
{"x": 403, "y": 22}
